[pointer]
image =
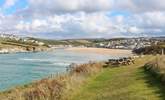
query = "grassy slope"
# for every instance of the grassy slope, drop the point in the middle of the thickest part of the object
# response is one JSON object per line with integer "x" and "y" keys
{"x": 8, "y": 43}
{"x": 122, "y": 83}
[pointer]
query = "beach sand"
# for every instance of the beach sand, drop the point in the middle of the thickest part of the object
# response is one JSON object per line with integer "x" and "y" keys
{"x": 104, "y": 51}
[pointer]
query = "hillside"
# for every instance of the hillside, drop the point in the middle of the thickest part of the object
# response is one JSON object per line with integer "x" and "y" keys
{"x": 11, "y": 44}
{"x": 74, "y": 42}
{"x": 114, "y": 43}
{"x": 93, "y": 82}
{"x": 122, "y": 83}
{"x": 156, "y": 68}
{"x": 154, "y": 49}
{"x": 140, "y": 44}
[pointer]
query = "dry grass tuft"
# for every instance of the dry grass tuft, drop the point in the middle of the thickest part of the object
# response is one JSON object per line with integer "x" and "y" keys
{"x": 58, "y": 87}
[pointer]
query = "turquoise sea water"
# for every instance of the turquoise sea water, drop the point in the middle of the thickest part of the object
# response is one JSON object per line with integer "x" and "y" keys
{"x": 23, "y": 68}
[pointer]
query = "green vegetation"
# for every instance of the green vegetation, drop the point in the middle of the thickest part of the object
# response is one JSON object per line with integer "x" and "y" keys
{"x": 155, "y": 49}
{"x": 93, "y": 82}
{"x": 20, "y": 45}
{"x": 55, "y": 87}
{"x": 8, "y": 41}
{"x": 122, "y": 83}
{"x": 74, "y": 42}
{"x": 77, "y": 42}
{"x": 157, "y": 68}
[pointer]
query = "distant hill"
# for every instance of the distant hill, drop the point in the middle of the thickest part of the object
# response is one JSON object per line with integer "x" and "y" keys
{"x": 122, "y": 43}
{"x": 12, "y": 44}
{"x": 159, "y": 38}
{"x": 74, "y": 42}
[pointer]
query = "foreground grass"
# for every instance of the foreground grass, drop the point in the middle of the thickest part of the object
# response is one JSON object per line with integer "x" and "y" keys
{"x": 92, "y": 82}
{"x": 122, "y": 83}
{"x": 156, "y": 67}
{"x": 58, "y": 87}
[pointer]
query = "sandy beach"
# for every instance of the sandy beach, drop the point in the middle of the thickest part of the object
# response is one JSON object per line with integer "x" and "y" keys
{"x": 113, "y": 52}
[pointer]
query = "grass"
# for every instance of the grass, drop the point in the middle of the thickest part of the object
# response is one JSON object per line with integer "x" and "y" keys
{"x": 157, "y": 68}
{"x": 58, "y": 87}
{"x": 122, "y": 83}
{"x": 6, "y": 43}
{"x": 92, "y": 82}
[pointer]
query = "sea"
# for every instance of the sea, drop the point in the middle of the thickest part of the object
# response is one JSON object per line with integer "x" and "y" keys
{"x": 24, "y": 68}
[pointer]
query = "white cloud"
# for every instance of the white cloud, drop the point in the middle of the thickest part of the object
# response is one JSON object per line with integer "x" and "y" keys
{"x": 79, "y": 18}
{"x": 62, "y": 6}
{"x": 150, "y": 23}
{"x": 134, "y": 29}
{"x": 153, "y": 19}
{"x": 96, "y": 23}
{"x": 76, "y": 24}
{"x": 139, "y": 6}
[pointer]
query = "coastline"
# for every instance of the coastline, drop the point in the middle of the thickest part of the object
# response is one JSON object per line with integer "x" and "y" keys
{"x": 21, "y": 50}
{"x": 66, "y": 86}
{"x": 104, "y": 51}
{"x": 58, "y": 86}
{"x": 78, "y": 71}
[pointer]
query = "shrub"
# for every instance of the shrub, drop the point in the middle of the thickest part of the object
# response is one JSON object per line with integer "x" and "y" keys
{"x": 157, "y": 68}
{"x": 58, "y": 87}
{"x": 156, "y": 49}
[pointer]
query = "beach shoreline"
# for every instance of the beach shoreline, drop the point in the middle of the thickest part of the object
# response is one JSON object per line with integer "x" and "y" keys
{"x": 104, "y": 51}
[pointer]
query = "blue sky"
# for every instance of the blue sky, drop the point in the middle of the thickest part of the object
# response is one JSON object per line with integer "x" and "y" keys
{"x": 19, "y": 4}
{"x": 82, "y": 18}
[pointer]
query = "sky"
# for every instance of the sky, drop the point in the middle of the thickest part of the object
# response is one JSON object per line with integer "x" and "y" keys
{"x": 61, "y": 19}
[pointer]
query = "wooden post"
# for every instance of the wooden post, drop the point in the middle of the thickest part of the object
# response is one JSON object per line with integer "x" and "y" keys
{"x": 157, "y": 63}
{"x": 162, "y": 51}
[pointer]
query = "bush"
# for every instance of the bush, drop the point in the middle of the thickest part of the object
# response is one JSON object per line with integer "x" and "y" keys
{"x": 149, "y": 50}
{"x": 157, "y": 68}
{"x": 58, "y": 87}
